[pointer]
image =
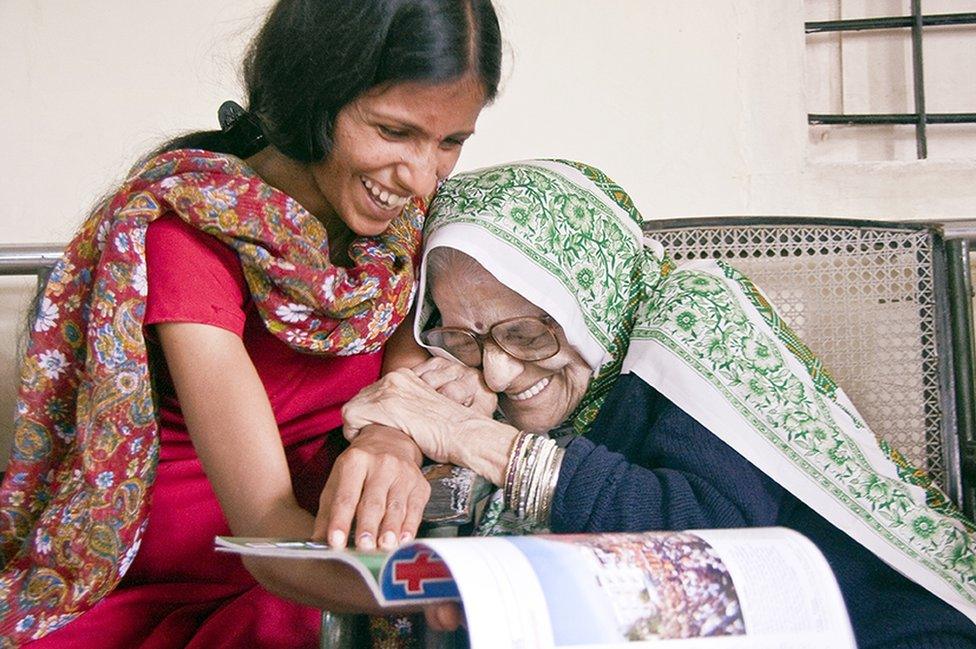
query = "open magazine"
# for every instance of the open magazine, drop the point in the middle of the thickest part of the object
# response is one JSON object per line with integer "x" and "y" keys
{"x": 757, "y": 588}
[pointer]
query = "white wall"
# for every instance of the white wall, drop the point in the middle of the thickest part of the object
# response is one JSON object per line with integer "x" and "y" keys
{"x": 696, "y": 107}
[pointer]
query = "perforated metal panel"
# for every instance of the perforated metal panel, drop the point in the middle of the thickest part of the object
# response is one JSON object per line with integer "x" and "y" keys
{"x": 863, "y": 299}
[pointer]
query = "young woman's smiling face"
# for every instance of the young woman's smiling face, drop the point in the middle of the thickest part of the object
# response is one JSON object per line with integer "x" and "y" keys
{"x": 391, "y": 144}
{"x": 535, "y": 396}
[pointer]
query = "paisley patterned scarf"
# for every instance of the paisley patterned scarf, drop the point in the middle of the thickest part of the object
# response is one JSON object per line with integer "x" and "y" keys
{"x": 569, "y": 240}
{"x": 74, "y": 502}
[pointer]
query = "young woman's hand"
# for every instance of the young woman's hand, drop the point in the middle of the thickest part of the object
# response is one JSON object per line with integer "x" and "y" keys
{"x": 378, "y": 483}
{"x": 459, "y": 383}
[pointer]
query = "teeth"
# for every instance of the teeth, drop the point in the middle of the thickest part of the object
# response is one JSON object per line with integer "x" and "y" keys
{"x": 383, "y": 197}
{"x": 531, "y": 392}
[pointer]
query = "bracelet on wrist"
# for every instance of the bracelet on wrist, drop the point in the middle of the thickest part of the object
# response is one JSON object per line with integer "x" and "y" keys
{"x": 531, "y": 474}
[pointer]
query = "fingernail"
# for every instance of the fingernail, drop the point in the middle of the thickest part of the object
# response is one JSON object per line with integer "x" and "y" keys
{"x": 388, "y": 541}
{"x": 406, "y": 537}
{"x": 365, "y": 541}
{"x": 337, "y": 539}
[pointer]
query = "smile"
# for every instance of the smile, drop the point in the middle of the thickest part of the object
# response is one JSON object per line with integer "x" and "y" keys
{"x": 531, "y": 392}
{"x": 384, "y": 198}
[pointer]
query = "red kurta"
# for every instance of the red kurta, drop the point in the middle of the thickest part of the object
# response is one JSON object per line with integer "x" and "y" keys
{"x": 178, "y": 591}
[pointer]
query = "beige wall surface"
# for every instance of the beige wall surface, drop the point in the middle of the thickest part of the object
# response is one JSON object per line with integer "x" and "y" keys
{"x": 696, "y": 107}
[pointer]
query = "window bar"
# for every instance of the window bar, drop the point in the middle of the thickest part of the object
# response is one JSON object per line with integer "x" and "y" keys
{"x": 893, "y": 22}
{"x": 892, "y": 118}
{"x": 921, "y": 144}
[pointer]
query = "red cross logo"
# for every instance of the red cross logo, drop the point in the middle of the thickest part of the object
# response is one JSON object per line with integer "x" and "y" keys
{"x": 423, "y": 567}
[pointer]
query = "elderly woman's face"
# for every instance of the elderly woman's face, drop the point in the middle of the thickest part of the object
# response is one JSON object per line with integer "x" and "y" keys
{"x": 535, "y": 396}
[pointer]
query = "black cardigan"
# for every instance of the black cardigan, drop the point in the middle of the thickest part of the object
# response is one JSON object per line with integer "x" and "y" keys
{"x": 647, "y": 465}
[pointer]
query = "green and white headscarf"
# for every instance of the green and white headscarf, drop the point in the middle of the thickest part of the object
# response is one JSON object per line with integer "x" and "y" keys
{"x": 569, "y": 240}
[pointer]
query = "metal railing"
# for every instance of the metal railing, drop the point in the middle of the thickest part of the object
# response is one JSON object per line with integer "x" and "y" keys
{"x": 29, "y": 259}
{"x": 960, "y": 239}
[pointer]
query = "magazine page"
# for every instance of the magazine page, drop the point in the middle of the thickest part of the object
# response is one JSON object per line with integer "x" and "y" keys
{"x": 774, "y": 590}
{"x": 784, "y": 585}
{"x": 414, "y": 575}
{"x": 504, "y": 602}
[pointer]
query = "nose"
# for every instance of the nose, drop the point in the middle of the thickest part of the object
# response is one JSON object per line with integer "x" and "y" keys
{"x": 418, "y": 172}
{"x": 499, "y": 369}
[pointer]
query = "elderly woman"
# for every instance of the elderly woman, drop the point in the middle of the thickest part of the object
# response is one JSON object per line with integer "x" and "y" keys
{"x": 640, "y": 396}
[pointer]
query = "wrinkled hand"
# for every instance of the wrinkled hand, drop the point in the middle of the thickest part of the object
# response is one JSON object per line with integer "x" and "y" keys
{"x": 459, "y": 383}
{"x": 376, "y": 481}
{"x": 402, "y": 400}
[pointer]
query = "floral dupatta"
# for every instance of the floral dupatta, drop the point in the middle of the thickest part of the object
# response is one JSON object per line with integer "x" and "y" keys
{"x": 569, "y": 240}
{"x": 74, "y": 502}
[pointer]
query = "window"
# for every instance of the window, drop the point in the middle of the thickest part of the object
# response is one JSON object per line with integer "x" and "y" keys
{"x": 887, "y": 81}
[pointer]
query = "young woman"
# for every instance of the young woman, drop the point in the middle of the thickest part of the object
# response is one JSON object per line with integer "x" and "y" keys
{"x": 193, "y": 348}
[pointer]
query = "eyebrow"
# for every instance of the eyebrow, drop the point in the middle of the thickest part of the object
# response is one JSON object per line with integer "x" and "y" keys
{"x": 375, "y": 114}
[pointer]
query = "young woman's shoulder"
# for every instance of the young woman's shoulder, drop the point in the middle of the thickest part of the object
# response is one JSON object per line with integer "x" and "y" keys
{"x": 193, "y": 277}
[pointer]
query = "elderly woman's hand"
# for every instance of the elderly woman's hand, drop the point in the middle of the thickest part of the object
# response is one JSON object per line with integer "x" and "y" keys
{"x": 444, "y": 430}
{"x": 460, "y": 383}
{"x": 402, "y": 400}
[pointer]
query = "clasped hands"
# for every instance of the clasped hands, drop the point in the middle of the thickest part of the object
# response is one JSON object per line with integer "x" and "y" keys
{"x": 376, "y": 484}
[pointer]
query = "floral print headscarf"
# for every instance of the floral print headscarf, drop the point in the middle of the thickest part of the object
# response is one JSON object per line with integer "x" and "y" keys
{"x": 74, "y": 502}
{"x": 569, "y": 240}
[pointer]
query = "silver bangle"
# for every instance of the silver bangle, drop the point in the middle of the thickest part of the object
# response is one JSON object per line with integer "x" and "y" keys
{"x": 537, "y": 471}
{"x": 510, "y": 486}
{"x": 525, "y": 474}
{"x": 552, "y": 478}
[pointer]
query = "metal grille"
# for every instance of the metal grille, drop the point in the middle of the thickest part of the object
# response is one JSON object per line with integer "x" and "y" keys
{"x": 917, "y": 22}
{"x": 863, "y": 299}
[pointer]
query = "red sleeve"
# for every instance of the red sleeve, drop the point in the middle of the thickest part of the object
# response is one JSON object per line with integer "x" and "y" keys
{"x": 192, "y": 277}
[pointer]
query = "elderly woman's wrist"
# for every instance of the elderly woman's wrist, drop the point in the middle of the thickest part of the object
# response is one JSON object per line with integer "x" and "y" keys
{"x": 483, "y": 446}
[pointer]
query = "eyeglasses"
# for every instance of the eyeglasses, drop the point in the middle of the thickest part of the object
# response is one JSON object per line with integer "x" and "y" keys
{"x": 527, "y": 338}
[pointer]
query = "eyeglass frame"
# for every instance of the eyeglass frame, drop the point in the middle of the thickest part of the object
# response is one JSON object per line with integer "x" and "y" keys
{"x": 545, "y": 319}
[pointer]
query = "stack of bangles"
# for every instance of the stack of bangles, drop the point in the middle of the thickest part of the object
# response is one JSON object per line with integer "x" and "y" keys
{"x": 530, "y": 477}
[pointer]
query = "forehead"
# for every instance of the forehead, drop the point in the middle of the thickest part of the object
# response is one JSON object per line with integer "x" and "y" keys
{"x": 469, "y": 296}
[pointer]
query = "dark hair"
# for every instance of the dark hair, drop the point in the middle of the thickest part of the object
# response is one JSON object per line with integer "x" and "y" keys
{"x": 312, "y": 57}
